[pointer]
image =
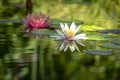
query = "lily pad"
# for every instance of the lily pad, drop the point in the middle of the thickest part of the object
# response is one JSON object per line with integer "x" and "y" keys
{"x": 111, "y": 46}
{"x": 99, "y": 37}
{"x": 113, "y": 31}
{"x": 91, "y": 28}
{"x": 99, "y": 52}
{"x": 13, "y": 21}
{"x": 117, "y": 42}
{"x": 41, "y": 33}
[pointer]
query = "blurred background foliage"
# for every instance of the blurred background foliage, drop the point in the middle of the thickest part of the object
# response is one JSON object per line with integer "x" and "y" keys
{"x": 18, "y": 54}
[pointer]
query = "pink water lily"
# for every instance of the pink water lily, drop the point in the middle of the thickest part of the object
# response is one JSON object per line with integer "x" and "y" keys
{"x": 36, "y": 21}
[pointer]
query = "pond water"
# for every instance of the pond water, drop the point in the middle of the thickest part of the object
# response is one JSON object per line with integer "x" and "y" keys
{"x": 28, "y": 58}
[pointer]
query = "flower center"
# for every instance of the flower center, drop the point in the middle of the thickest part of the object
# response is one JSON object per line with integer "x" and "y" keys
{"x": 37, "y": 19}
{"x": 70, "y": 33}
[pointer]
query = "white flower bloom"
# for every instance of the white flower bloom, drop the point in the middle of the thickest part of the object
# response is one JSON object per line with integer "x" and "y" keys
{"x": 68, "y": 37}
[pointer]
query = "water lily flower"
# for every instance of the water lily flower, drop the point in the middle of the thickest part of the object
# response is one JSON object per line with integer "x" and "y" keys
{"x": 36, "y": 21}
{"x": 68, "y": 37}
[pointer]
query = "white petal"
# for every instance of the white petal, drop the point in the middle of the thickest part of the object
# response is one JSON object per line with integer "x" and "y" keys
{"x": 65, "y": 32}
{"x": 60, "y": 33}
{"x": 66, "y": 26}
{"x": 73, "y": 26}
{"x": 54, "y": 36}
{"x": 62, "y": 46}
{"x": 80, "y": 43}
{"x": 80, "y": 37}
{"x": 77, "y": 29}
{"x": 62, "y": 26}
{"x": 66, "y": 47}
{"x": 72, "y": 47}
{"x": 76, "y": 47}
{"x": 57, "y": 37}
{"x": 83, "y": 34}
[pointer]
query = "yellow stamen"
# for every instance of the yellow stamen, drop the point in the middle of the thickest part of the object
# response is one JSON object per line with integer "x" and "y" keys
{"x": 38, "y": 19}
{"x": 70, "y": 33}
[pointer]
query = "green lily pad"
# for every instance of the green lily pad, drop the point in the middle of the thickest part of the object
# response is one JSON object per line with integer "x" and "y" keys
{"x": 99, "y": 37}
{"x": 116, "y": 42}
{"x": 111, "y": 46}
{"x": 91, "y": 28}
{"x": 41, "y": 33}
{"x": 99, "y": 52}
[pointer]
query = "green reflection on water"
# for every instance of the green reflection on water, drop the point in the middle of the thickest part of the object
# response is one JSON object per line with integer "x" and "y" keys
{"x": 18, "y": 53}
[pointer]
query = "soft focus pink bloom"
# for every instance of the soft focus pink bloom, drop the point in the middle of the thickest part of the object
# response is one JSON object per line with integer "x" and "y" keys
{"x": 36, "y": 21}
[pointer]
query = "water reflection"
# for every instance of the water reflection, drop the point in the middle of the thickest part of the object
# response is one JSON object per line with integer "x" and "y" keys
{"x": 18, "y": 54}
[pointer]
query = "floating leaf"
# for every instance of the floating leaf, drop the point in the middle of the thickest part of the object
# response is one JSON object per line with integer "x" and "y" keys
{"x": 77, "y": 2}
{"x": 13, "y": 21}
{"x": 99, "y": 37}
{"x": 56, "y": 25}
{"x": 111, "y": 46}
{"x": 114, "y": 31}
{"x": 41, "y": 33}
{"x": 99, "y": 52}
{"x": 91, "y": 28}
{"x": 116, "y": 42}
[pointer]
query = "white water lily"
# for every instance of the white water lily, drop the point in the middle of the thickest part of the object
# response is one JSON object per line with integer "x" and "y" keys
{"x": 68, "y": 37}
